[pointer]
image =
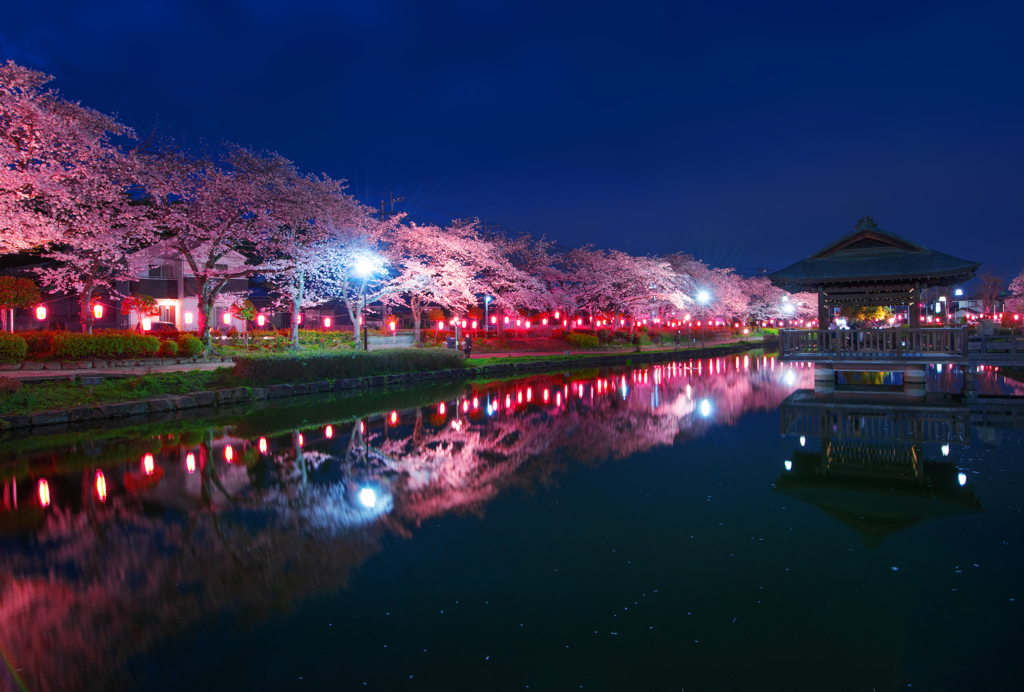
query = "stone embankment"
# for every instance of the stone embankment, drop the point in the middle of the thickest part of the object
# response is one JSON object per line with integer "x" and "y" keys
{"x": 238, "y": 395}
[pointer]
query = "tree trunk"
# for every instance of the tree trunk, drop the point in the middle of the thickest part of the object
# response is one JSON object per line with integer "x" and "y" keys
{"x": 206, "y": 297}
{"x": 86, "y": 299}
{"x": 297, "y": 296}
{"x": 417, "y": 313}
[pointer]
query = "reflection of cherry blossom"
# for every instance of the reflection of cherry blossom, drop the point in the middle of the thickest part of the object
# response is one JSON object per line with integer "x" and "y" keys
{"x": 271, "y": 528}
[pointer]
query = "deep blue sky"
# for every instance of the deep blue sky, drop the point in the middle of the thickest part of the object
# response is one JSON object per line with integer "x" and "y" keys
{"x": 745, "y": 133}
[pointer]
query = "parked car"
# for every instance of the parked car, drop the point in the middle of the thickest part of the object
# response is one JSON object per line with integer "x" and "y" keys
{"x": 162, "y": 327}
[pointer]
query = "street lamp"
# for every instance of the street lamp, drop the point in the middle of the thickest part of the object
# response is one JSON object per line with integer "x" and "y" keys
{"x": 703, "y": 297}
{"x": 487, "y": 325}
{"x": 364, "y": 268}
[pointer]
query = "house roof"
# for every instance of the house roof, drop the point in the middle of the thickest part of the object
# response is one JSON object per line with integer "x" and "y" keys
{"x": 872, "y": 254}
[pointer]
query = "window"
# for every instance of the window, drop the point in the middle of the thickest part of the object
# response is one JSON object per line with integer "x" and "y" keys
{"x": 161, "y": 271}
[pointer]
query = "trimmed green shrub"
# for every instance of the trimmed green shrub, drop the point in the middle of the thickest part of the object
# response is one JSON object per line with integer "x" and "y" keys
{"x": 581, "y": 341}
{"x": 105, "y": 344}
{"x": 168, "y": 349}
{"x": 13, "y": 348}
{"x": 641, "y": 339}
{"x": 190, "y": 346}
{"x": 304, "y": 367}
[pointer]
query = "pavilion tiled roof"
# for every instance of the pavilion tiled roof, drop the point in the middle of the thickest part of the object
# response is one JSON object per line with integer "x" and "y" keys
{"x": 871, "y": 254}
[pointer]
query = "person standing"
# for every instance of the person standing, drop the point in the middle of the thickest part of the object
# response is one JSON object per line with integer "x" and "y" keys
{"x": 468, "y": 344}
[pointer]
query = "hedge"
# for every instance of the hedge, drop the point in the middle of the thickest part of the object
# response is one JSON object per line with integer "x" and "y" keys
{"x": 578, "y": 340}
{"x": 105, "y": 344}
{"x": 304, "y": 367}
{"x": 12, "y": 348}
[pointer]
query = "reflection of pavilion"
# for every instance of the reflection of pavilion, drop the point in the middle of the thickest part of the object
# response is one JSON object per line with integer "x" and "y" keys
{"x": 870, "y": 471}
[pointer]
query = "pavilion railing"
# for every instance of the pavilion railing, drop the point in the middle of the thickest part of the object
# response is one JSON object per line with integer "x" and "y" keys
{"x": 908, "y": 343}
{"x": 1004, "y": 346}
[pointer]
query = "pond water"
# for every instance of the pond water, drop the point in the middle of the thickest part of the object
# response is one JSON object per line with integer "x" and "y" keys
{"x": 623, "y": 529}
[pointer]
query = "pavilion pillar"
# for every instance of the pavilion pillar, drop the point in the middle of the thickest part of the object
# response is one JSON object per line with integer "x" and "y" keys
{"x": 823, "y": 320}
{"x": 915, "y": 307}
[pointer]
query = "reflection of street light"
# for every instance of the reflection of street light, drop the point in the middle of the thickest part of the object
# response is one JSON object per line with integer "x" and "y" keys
{"x": 367, "y": 497}
{"x": 703, "y": 297}
{"x": 961, "y": 479}
{"x": 705, "y": 408}
{"x": 788, "y": 464}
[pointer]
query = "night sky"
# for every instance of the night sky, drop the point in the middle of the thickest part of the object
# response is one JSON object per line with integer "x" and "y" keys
{"x": 746, "y": 134}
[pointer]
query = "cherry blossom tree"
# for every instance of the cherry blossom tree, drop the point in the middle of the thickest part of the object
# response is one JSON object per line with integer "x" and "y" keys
{"x": 57, "y": 161}
{"x": 318, "y": 223}
{"x": 445, "y": 267}
{"x": 211, "y": 206}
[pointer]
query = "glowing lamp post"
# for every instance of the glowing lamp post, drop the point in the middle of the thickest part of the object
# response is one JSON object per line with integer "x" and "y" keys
{"x": 40, "y": 313}
{"x": 487, "y": 302}
{"x": 703, "y": 297}
{"x": 97, "y": 311}
{"x": 261, "y": 320}
{"x": 364, "y": 269}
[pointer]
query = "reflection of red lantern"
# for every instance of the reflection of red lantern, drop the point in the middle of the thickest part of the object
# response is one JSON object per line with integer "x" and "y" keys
{"x": 40, "y": 313}
{"x": 148, "y": 465}
{"x": 263, "y": 445}
{"x": 329, "y": 431}
{"x": 44, "y": 492}
{"x": 101, "y": 486}
{"x": 394, "y": 417}
{"x": 190, "y": 462}
{"x": 441, "y": 408}
{"x": 229, "y": 454}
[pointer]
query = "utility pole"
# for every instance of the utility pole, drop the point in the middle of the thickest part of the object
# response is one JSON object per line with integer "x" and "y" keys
{"x": 391, "y": 201}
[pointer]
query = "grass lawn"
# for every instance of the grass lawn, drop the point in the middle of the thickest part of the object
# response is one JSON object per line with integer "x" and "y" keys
{"x": 50, "y": 395}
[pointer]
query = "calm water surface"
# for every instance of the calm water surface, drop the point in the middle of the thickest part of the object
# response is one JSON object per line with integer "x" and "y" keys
{"x": 629, "y": 529}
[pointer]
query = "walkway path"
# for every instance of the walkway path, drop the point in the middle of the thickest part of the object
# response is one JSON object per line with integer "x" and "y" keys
{"x": 41, "y": 375}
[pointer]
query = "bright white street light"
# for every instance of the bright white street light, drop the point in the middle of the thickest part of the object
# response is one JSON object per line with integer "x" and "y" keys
{"x": 368, "y": 497}
{"x": 364, "y": 266}
{"x": 788, "y": 308}
{"x": 703, "y": 297}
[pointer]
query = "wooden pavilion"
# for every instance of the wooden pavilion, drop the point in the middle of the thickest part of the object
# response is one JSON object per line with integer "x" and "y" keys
{"x": 872, "y": 266}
